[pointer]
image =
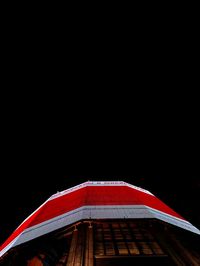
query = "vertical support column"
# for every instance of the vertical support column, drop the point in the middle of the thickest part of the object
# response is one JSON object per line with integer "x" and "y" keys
{"x": 89, "y": 252}
{"x": 72, "y": 251}
{"x": 77, "y": 248}
{"x": 80, "y": 248}
{"x": 184, "y": 252}
{"x": 163, "y": 239}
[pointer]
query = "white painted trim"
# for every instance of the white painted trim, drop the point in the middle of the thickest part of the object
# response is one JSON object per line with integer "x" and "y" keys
{"x": 98, "y": 212}
{"x": 120, "y": 212}
{"x": 138, "y": 188}
{"x": 9, "y": 246}
{"x": 67, "y": 191}
{"x": 34, "y": 212}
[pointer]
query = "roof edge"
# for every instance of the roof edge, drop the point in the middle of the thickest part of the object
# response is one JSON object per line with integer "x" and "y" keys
{"x": 97, "y": 183}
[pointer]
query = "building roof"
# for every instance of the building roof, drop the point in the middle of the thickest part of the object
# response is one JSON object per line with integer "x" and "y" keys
{"x": 93, "y": 200}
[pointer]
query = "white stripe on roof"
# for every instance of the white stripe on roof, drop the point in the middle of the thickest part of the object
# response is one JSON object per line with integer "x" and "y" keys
{"x": 97, "y": 212}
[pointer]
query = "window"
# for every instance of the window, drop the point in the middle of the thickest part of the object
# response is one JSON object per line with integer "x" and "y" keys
{"x": 124, "y": 239}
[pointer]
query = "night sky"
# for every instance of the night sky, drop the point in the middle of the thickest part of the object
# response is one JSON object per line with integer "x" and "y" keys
{"x": 50, "y": 143}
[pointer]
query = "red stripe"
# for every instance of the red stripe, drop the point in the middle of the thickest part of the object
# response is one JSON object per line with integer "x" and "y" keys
{"x": 91, "y": 195}
{"x": 100, "y": 195}
{"x": 19, "y": 230}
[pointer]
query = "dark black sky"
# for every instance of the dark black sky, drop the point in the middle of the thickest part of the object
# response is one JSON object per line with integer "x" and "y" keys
{"x": 136, "y": 133}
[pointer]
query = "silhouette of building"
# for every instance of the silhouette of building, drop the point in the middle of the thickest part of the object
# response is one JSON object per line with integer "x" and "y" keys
{"x": 103, "y": 223}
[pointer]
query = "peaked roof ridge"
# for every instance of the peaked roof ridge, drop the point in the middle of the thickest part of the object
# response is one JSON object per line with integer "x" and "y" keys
{"x": 98, "y": 183}
{"x": 85, "y": 184}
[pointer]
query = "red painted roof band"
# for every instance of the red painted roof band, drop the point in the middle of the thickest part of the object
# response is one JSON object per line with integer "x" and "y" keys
{"x": 91, "y": 195}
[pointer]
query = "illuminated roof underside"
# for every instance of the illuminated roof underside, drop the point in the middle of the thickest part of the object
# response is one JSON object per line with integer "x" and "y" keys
{"x": 93, "y": 200}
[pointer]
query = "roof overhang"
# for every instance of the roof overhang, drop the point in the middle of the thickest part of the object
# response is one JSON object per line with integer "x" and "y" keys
{"x": 94, "y": 200}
